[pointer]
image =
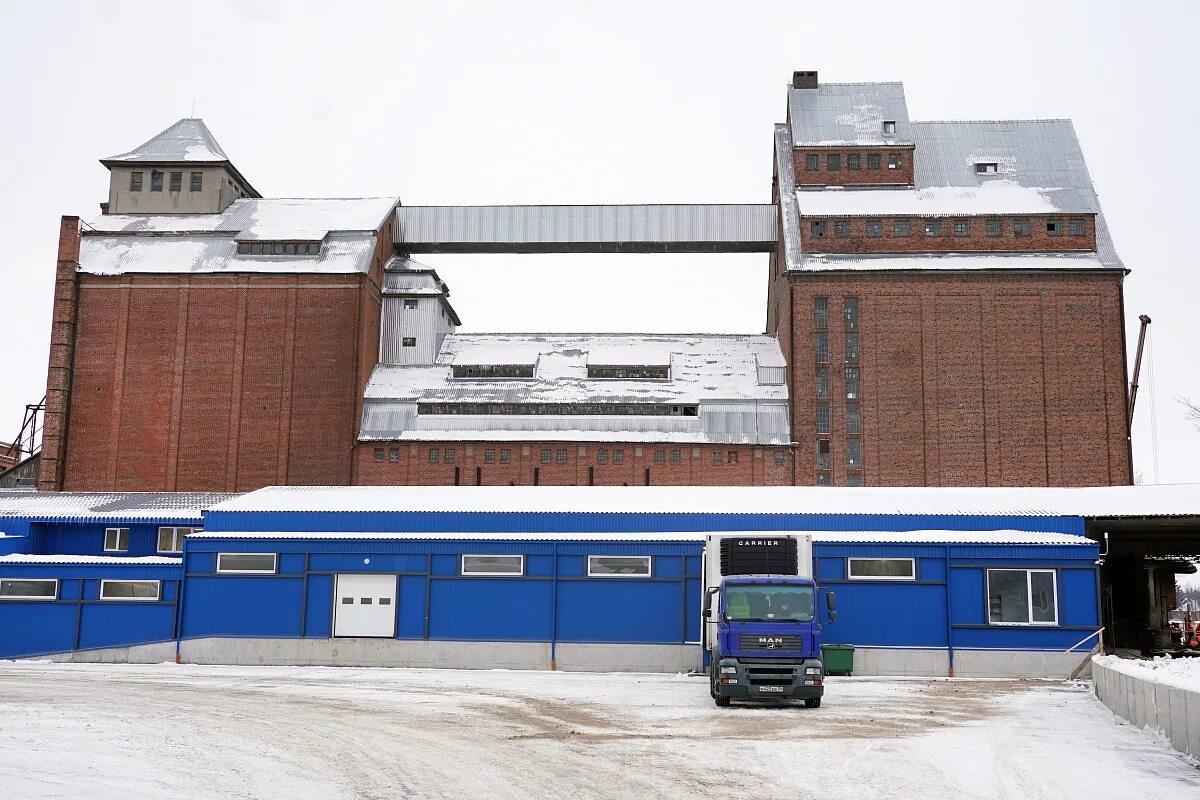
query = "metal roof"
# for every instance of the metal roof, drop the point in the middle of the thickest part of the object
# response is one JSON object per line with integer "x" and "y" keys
{"x": 848, "y": 114}
{"x": 21, "y": 558}
{"x": 108, "y": 505}
{"x": 188, "y": 140}
{"x": 949, "y": 262}
{"x": 586, "y": 229}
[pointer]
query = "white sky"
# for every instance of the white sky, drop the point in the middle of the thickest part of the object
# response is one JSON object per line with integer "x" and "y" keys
{"x": 574, "y": 102}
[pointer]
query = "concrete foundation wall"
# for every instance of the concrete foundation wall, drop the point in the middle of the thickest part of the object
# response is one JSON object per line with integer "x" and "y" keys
{"x": 1171, "y": 711}
{"x": 136, "y": 654}
{"x": 967, "y": 663}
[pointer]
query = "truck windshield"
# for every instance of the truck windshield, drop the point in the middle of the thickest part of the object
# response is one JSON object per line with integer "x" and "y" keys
{"x": 767, "y": 603}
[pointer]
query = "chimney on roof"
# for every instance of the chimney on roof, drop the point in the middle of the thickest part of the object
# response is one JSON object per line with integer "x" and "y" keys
{"x": 104, "y": 208}
{"x": 804, "y": 79}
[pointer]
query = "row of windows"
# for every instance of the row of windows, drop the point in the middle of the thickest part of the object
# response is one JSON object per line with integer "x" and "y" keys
{"x": 853, "y": 419}
{"x": 560, "y": 409}
{"x": 561, "y": 455}
{"x": 660, "y": 373}
{"x": 850, "y": 347}
{"x": 821, "y": 313}
{"x": 176, "y": 181}
{"x": 854, "y": 161}
{"x": 854, "y": 460}
{"x": 850, "y": 382}
{"x": 493, "y": 371}
{"x": 279, "y": 248}
{"x": 513, "y": 566}
{"x": 170, "y": 539}
{"x": 1020, "y": 227}
{"x": 47, "y": 589}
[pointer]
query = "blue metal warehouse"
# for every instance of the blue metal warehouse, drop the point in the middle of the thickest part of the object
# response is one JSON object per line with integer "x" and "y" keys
{"x": 987, "y": 581}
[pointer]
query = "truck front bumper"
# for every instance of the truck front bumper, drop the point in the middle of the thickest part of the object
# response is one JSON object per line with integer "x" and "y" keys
{"x": 762, "y": 679}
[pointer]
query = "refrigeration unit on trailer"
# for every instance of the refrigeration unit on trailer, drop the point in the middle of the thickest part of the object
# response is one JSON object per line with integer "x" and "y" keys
{"x": 761, "y": 629}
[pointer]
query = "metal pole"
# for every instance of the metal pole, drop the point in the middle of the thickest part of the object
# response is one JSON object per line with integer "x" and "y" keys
{"x": 1137, "y": 368}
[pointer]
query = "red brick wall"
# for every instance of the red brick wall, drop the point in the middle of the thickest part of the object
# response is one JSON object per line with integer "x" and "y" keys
{"x": 62, "y": 356}
{"x": 902, "y": 175}
{"x": 216, "y": 382}
{"x": 977, "y": 239}
{"x": 755, "y": 465}
{"x": 987, "y": 379}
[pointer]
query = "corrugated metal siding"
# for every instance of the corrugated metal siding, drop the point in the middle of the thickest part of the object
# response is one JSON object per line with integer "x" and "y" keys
{"x": 426, "y": 323}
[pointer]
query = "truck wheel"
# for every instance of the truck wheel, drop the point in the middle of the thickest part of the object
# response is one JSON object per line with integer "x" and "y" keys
{"x": 722, "y": 702}
{"x": 812, "y": 702}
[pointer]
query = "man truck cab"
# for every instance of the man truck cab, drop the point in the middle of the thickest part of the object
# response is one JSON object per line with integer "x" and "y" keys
{"x": 761, "y": 627}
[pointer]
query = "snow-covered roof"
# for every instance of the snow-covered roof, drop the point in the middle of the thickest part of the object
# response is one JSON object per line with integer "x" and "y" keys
{"x": 848, "y": 114}
{"x": 116, "y": 244}
{"x": 22, "y": 558}
{"x": 108, "y": 505}
{"x": 1103, "y": 501}
{"x": 735, "y": 381}
{"x": 951, "y": 261}
{"x": 990, "y": 197}
{"x": 188, "y": 140}
{"x": 403, "y": 276}
{"x": 825, "y": 537}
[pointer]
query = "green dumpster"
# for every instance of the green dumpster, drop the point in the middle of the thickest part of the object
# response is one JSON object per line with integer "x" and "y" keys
{"x": 838, "y": 658}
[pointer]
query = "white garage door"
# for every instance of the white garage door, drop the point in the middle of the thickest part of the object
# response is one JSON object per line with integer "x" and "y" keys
{"x": 365, "y": 605}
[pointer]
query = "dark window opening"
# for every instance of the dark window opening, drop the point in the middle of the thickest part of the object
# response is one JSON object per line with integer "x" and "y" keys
{"x": 873, "y": 161}
{"x": 874, "y": 228}
{"x": 962, "y": 227}
{"x": 824, "y": 448}
{"x": 394, "y": 454}
{"x": 560, "y": 409}
{"x": 894, "y": 161}
{"x": 408, "y": 341}
{"x": 618, "y": 456}
{"x": 656, "y": 373}
{"x": 1076, "y": 227}
{"x": 820, "y": 313}
{"x": 1021, "y": 227}
{"x": 379, "y": 454}
{"x": 841, "y": 229}
{"x": 822, "y": 418}
{"x": 933, "y": 227}
{"x": 817, "y": 228}
{"x": 812, "y": 162}
{"x": 546, "y": 456}
{"x": 435, "y": 455}
{"x": 901, "y": 227}
{"x": 850, "y": 307}
{"x": 176, "y": 181}
{"x": 851, "y": 354}
{"x": 1054, "y": 227}
{"x": 821, "y": 347}
{"x": 993, "y": 227}
{"x": 854, "y": 161}
{"x": 197, "y": 182}
{"x": 156, "y": 180}
{"x": 492, "y": 370}
{"x": 135, "y": 181}
{"x": 833, "y": 163}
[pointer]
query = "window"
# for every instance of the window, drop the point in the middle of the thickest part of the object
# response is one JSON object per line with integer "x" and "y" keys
{"x": 619, "y": 566}
{"x": 850, "y": 310}
{"x": 821, "y": 381}
{"x": 408, "y": 341}
{"x": 116, "y": 540}
{"x": 435, "y": 455}
{"x": 854, "y": 161}
{"x": 379, "y": 454}
{"x": 962, "y": 227}
{"x": 821, "y": 347}
{"x": 660, "y": 457}
{"x": 1054, "y": 227}
{"x": 1021, "y": 227}
{"x": 853, "y": 419}
{"x": 29, "y": 589}
{"x": 1022, "y": 597}
{"x": 675, "y": 456}
{"x": 854, "y": 454}
{"x": 394, "y": 455}
{"x": 197, "y": 182}
{"x": 135, "y": 181}
{"x": 170, "y": 540}
{"x": 881, "y": 569}
{"x": 841, "y": 229}
{"x": 732, "y": 456}
{"x": 780, "y": 458}
{"x": 491, "y": 370}
{"x": 1076, "y": 227}
{"x": 156, "y": 180}
{"x": 489, "y": 456}
{"x": 874, "y": 228}
{"x": 547, "y": 456}
{"x": 822, "y": 413}
{"x": 602, "y": 455}
{"x": 505, "y": 456}
{"x": 824, "y": 479}
{"x": 889, "y": 127}
{"x": 176, "y": 181}
{"x": 850, "y": 352}
{"x": 851, "y": 382}
{"x": 993, "y": 227}
{"x": 987, "y": 167}
{"x": 646, "y": 372}
{"x": 901, "y": 227}
{"x": 894, "y": 161}
{"x": 824, "y": 449}
{"x": 873, "y": 160}
{"x": 258, "y": 563}
{"x": 717, "y": 458}
{"x": 560, "y": 456}
{"x": 411, "y": 303}
{"x": 817, "y": 228}
{"x": 129, "y": 590}
{"x": 833, "y": 163}
{"x": 493, "y": 565}
{"x": 933, "y": 227}
{"x": 854, "y": 479}
{"x": 821, "y": 313}
{"x": 812, "y": 162}
{"x": 448, "y": 455}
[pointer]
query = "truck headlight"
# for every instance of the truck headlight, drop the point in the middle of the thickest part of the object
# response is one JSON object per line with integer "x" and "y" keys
{"x": 812, "y": 671}
{"x": 728, "y": 670}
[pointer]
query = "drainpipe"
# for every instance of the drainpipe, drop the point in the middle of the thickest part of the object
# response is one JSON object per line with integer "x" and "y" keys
{"x": 179, "y": 601}
{"x": 554, "y": 611}
{"x": 949, "y": 630}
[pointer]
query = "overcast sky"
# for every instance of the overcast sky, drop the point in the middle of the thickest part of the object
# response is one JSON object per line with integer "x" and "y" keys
{"x": 572, "y": 102}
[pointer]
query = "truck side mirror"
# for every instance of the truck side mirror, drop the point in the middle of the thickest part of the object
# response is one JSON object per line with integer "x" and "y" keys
{"x": 831, "y": 601}
{"x": 708, "y": 601}
{"x": 832, "y": 615}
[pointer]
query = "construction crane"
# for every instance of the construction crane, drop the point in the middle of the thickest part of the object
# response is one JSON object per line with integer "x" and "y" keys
{"x": 1137, "y": 368}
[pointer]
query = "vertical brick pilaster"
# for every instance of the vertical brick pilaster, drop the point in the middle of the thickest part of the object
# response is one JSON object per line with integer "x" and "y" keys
{"x": 62, "y": 356}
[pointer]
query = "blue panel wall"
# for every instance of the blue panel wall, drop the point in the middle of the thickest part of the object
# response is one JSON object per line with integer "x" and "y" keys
{"x": 625, "y": 610}
{"x": 87, "y": 538}
{"x": 411, "y": 607}
{"x": 889, "y": 614}
{"x": 318, "y": 611}
{"x": 242, "y": 605}
{"x": 119, "y": 624}
{"x": 508, "y": 609}
{"x": 30, "y": 629}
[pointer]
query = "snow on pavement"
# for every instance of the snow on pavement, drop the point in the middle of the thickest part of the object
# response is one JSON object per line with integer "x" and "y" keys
{"x": 116, "y": 731}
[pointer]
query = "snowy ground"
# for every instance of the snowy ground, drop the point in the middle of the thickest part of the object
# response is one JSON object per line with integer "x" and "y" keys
{"x": 1182, "y": 673}
{"x": 110, "y": 731}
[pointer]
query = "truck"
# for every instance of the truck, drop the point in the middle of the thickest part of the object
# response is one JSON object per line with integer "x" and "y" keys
{"x": 761, "y": 630}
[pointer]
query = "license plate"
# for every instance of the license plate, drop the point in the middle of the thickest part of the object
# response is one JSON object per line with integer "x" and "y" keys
{"x": 774, "y": 689}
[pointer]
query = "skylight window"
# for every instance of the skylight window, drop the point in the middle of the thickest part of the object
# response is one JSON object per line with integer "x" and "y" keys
{"x": 889, "y": 127}
{"x": 260, "y": 248}
{"x": 630, "y": 371}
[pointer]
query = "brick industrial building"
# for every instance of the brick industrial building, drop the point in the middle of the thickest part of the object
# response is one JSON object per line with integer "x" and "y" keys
{"x": 944, "y": 308}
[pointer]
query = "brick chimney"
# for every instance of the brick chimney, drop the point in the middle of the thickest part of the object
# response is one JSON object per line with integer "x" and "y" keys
{"x": 804, "y": 79}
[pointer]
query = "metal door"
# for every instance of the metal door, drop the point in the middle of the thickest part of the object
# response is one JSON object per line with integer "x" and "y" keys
{"x": 365, "y": 605}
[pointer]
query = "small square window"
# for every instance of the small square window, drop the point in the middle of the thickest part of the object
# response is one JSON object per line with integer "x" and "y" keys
{"x": 894, "y": 161}
{"x": 833, "y": 163}
{"x": 602, "y": 455}
{"x": 933, "y": 227}
{"x": 1054, "y": 227}
{"x": 116, "y": 540}
{"x": 489, "y": 456}
{"x": 818, "y": 228}
{"x": 733, "y": 456}
{"x": 156, "y": 180}
{"x": 505, "y": 456}
{"x": 394, "y": 455}
{"x": 874, "y": 229}
{"x": 889, "y": 127}
{"x": 135, "y": 181}
{"x": 779, "y": 457}
{"x": 410, "y": 303}
{"x": 408, "y": 341}
{"x": 824, "y": 448}
{"x": 547, "y": 456}
{"x": 901, "y": 228}
{"x": 176, "y": 181}
{"x": 1021, "y": 227}
{"x": 379, "y": 454}
{"x": 449, "y": 454}
{"x": 560, "y": 456}
{"x": 660, "y": 457}
{"x": 873, "y": 160}
{"x": 841, "y": 229}
{"x": 717, "y": 457}
{"x": 853, "y": 161}
{"x": 812, "y": 162}
{"x": 675, "y": 456}
{"x": 993, "y": 227}
{"x": 824, "y": 479}
{"x": 987, "y": 167}
{"x": 197, "y": 182}
{"x": 618, "y": 456}
{"x": 1077, "y": 227}
{"x": 435, "y": 455}
{"x": 962, "y": 227}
